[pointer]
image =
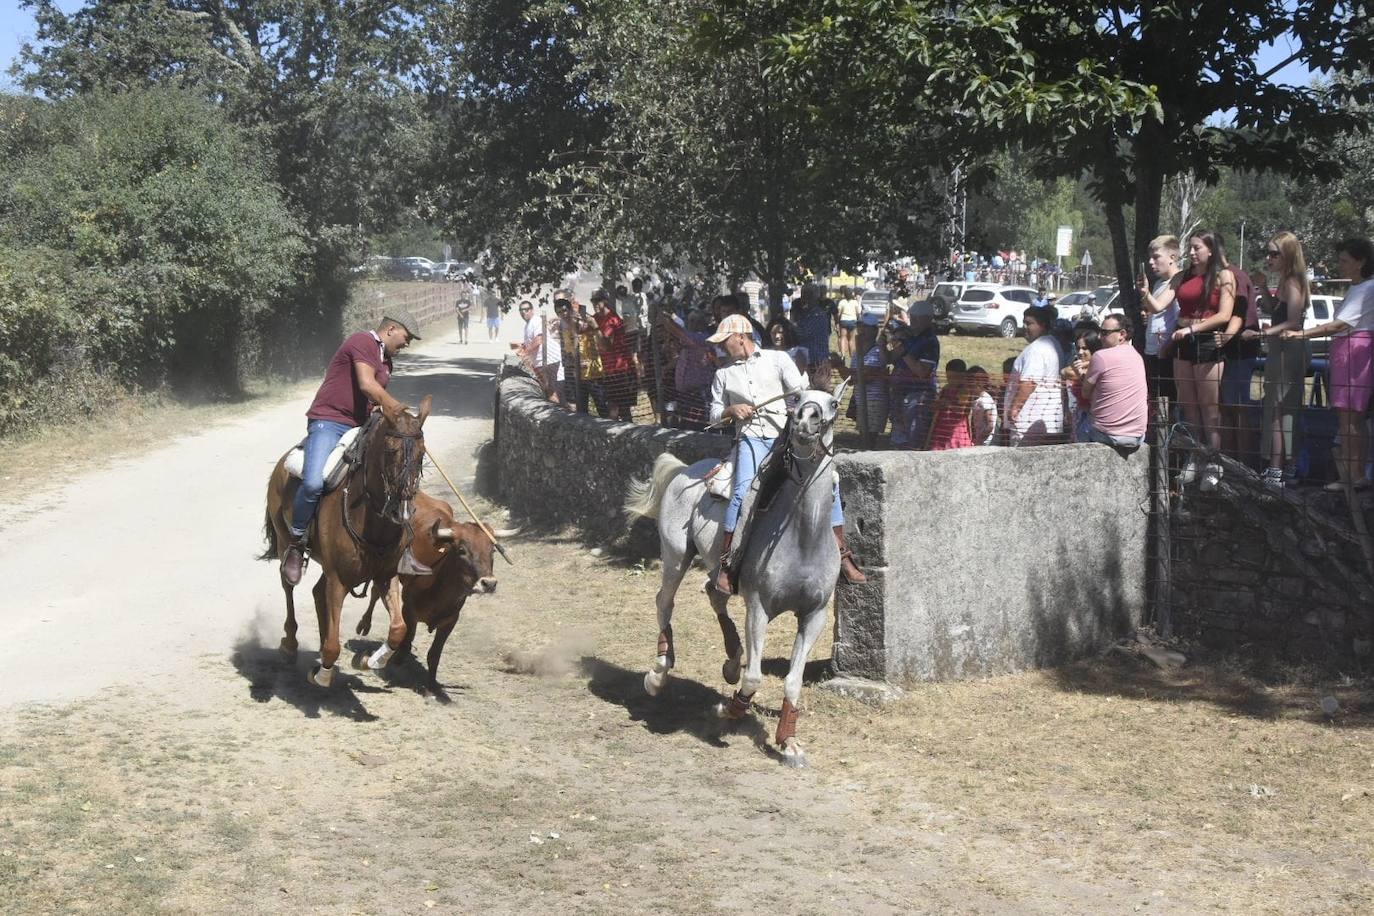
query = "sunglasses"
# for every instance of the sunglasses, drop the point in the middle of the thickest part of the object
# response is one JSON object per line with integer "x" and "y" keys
{"x": 1271, "y": 253}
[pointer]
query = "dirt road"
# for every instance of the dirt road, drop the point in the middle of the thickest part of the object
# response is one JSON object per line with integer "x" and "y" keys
{"x": 157, "y": 756}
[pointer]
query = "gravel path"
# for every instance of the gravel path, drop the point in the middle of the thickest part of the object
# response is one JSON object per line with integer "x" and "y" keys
{"x": 130, "y": 575}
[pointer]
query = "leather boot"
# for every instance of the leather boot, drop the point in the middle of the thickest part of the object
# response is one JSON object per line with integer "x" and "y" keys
{"x": 293, "y": 563}
{"x": 848, "y": 571}
{"x": 725, "y": 580}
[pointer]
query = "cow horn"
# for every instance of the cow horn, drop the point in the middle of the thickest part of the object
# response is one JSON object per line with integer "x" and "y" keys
{"x": 443, "y": 534}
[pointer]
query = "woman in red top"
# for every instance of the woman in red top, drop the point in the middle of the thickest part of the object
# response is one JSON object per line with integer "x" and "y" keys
{"x": 1206, "y": 296}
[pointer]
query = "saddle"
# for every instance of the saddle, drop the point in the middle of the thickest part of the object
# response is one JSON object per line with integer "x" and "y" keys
{"x": 336, "y": 467}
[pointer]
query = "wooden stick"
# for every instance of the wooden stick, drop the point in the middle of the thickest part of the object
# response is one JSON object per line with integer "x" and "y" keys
{"x": 480, "y": 524}
{"x": 777, "y": 397}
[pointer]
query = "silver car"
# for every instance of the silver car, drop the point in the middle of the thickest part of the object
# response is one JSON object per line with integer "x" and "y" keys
{"x": 990, "y": 307}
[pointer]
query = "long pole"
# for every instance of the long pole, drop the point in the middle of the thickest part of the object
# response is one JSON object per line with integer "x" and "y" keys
{"x": 480, "y": 524}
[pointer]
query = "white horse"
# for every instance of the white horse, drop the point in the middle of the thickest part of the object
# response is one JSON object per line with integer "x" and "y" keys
{"x": 789, "y": 563}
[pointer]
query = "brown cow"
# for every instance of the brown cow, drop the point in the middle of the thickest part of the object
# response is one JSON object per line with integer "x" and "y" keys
{"x": 460, "y": 555}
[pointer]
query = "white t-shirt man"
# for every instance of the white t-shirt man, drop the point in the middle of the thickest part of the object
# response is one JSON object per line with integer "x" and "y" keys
{"x": 1043, "y": 413}
{"x": 533, "y": 328}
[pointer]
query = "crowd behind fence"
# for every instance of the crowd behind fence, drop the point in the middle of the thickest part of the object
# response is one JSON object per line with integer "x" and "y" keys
{"x": 662, "y": 373}
{"x": 1259, "y": 430}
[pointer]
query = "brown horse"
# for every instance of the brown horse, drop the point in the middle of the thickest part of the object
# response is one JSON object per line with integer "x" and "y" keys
{"x": 460, "y": 556}
{"x": 360, "y": 530}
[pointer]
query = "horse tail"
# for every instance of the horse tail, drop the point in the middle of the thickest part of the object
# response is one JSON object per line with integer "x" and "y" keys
{"x": 269, "y": 531}
{"x": 647, "y": 495}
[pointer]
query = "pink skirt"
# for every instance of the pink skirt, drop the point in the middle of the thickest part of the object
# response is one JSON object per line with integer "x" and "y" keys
{"x": 1352, "y": 371}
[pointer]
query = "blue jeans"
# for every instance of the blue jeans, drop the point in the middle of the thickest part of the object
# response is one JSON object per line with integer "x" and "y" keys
{"x": 749, "y": 454}
{"x": 321, "y": 437}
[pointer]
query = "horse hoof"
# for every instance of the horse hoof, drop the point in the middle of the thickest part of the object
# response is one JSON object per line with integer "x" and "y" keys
{"x": 793, "y": 755}
{"x": 730, "y": 670}
{"x": 360, "y": 662}
{"x": 321, "y": 677}
{"x": 653, "y": 683}
{"x": 287, "y": 650}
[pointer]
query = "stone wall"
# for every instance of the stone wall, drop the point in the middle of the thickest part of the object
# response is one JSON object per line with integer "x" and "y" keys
{"x": 1284, "y": 571}
{"x": 554, "y": 469}
{"x": 980, "y": 561}
{"x": 988, "y": 560}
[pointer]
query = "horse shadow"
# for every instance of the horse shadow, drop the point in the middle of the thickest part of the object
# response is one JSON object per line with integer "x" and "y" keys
{"x": 685, "y": 705}
{"x": 816, "y": 670}
{"x": 271, "y": 675}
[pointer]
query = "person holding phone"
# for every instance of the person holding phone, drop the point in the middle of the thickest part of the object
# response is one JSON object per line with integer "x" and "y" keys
{"x": 1206, "y": 296}
{"x": 1159, "y": 325}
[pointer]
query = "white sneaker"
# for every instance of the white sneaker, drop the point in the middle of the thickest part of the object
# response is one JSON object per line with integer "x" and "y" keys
{"x": 1211, "y": 476}
{"x": 1273, "y": 478}
{"x": 1189, "y": 472}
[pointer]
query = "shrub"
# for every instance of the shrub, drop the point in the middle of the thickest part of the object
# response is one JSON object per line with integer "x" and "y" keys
{"x": 139, "y": 233}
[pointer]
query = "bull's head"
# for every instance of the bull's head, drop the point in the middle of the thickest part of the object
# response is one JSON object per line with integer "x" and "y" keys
{"x": 469, "y": 546}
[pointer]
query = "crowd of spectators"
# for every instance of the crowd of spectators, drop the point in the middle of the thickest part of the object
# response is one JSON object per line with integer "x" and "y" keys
{"x": 1210, "y": 331}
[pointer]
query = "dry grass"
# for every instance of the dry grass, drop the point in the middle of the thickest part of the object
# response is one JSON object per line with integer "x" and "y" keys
{"x": 1101, "y": 787}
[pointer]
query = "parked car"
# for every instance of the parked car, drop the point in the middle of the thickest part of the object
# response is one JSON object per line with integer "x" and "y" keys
{"x": 942, "y": 299}
{"x": 876, "y": 302}
{"x": 1323, "y": 309}
{"x": 394, "y": 269}
{"x": 1076, "y": 305}
{"x": 1108, "y": 300}
{"x": 422, "y": 268}
{"x": 990, "y": 307}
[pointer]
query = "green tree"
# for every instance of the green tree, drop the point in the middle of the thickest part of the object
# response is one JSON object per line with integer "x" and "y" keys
{"x": 1127, "y": 94}
{"x": 141, "y": 230}
{"x": 328, "y": 85}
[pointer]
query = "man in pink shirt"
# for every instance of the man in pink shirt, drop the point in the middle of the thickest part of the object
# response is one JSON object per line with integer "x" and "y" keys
{"x": 1116, "y": 389}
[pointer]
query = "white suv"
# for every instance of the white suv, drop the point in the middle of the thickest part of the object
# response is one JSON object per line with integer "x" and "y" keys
{"x": 990, "y": 307}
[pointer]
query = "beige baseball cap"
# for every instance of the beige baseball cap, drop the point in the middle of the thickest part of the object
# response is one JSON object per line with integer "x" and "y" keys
{"x": 731, "y": 324}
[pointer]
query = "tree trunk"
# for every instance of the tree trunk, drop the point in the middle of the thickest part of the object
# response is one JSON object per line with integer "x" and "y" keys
{"x": 1149, "y": 189}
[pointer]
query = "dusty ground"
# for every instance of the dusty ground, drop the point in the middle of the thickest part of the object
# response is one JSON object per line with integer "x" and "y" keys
{"x": 157, "y": 756}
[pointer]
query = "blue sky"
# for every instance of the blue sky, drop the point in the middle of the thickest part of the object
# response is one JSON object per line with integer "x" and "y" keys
{"x": 16, "y": 26}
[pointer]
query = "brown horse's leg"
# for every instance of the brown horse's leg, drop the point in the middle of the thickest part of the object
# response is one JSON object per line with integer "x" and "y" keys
{"x": 408, "y": 614}
{"x": 326, "y": 613}
{"x": 396, "y": 632}
{"x": 390, "y": 590}
{"x": 288, "y": 645}
{"x": 334, "y": 593}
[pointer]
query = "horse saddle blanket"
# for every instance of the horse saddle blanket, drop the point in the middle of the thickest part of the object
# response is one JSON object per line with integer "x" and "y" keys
{"x": 334, "y": 467}
{"x": 720, "y": 478}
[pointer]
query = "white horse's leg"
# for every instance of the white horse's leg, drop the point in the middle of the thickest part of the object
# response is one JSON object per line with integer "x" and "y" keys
{"x": 755, "y": 625}
{"x": 675, "y": 564}
{"x": 808, "y": 630}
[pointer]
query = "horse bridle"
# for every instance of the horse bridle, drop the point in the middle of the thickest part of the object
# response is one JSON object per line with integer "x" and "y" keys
{"x": 819, "y": 444}
{"x": 400, "y": 492}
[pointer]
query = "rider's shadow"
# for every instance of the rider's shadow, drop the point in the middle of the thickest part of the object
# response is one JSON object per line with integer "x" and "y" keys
{"x": 684, "y": 706}
{"x": 271, "y": 675}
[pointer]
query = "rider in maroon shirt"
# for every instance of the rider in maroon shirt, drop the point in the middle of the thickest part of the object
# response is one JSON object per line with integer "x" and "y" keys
{"x": 356, "y": 379}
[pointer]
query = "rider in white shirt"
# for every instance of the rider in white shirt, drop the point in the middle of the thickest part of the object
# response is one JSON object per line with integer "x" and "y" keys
{"x": 756, "y": 376}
